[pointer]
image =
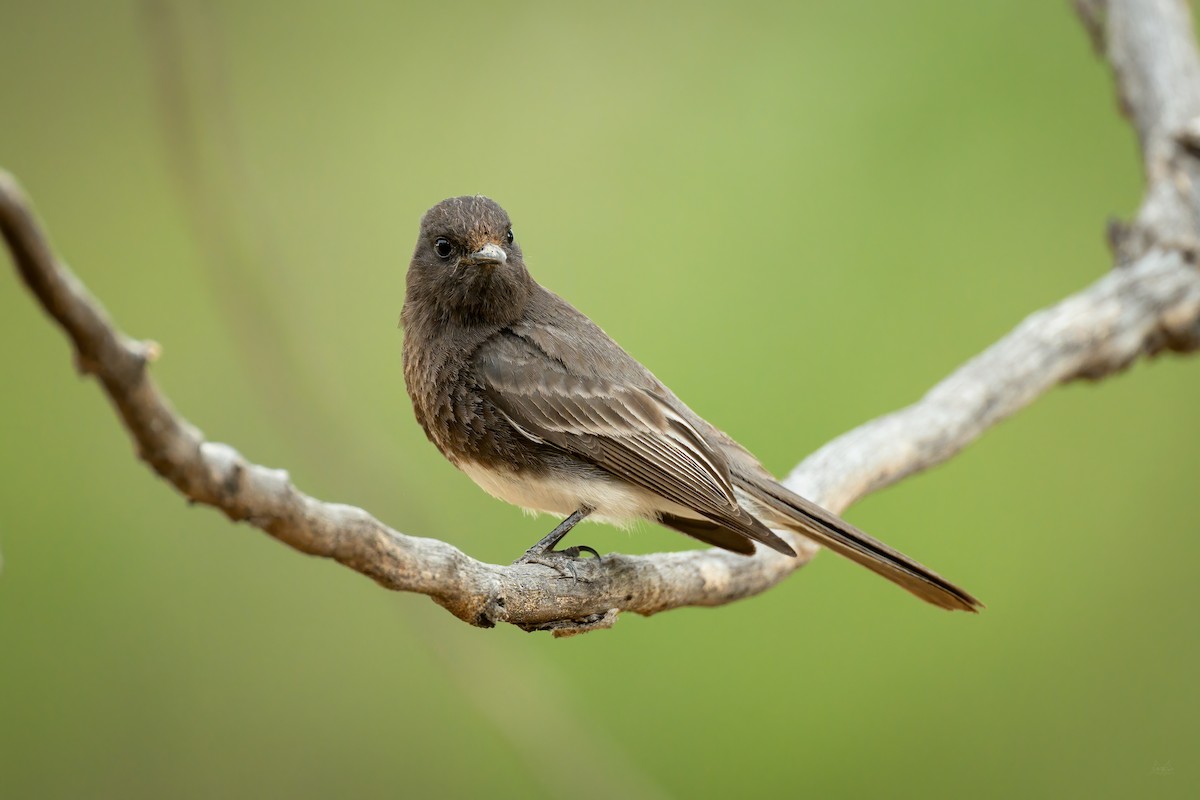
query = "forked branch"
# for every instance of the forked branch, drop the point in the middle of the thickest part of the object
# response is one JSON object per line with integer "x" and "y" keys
{"x": 1149, "y": 303}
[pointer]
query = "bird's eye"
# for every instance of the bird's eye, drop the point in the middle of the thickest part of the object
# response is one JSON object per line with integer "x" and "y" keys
{"x": 443, "y": 248}
{"x": 508, "y": 237}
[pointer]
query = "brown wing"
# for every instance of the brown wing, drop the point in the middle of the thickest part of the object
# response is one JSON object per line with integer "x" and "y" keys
{"x": 630, "y": 431}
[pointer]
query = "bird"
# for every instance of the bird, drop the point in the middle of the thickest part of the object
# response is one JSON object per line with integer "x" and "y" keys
{"x": 542, "y": 409}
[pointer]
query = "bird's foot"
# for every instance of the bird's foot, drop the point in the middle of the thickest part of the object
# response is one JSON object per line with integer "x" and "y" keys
{"x": 564, "y": 561}
{"x": 561, "y": 561}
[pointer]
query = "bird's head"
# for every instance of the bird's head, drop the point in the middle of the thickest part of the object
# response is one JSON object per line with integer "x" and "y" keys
{"x": 467, "y": 266}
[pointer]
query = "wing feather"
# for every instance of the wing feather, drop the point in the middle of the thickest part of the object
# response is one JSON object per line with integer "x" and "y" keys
{"x": 631, "y": 431}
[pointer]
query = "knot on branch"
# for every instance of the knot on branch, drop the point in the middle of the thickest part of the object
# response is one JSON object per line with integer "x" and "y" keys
{"x": 1188, "y": 137}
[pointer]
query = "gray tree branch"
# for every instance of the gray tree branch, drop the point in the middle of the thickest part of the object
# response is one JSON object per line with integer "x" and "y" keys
{"x": 1149, "y": 303}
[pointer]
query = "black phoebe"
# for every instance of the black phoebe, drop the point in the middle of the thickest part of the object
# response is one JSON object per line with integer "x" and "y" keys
{"x": 542, "y": 409}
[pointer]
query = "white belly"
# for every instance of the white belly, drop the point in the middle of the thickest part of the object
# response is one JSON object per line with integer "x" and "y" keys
{"x": 614, "y": 502}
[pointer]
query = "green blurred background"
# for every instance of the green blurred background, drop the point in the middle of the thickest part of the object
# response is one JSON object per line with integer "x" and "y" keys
{"x": 804, "y": 214}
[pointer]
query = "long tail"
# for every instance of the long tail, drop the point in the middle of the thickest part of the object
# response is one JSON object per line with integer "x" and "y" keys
{"x": 840, "y": 536}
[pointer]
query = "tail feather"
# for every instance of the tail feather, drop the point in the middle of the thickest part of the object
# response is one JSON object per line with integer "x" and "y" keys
{"x": 832, "y": 531}
{"x": 711, "y": 533}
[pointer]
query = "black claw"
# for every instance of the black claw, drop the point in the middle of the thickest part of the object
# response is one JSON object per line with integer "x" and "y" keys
{"x": 574, "y": 551}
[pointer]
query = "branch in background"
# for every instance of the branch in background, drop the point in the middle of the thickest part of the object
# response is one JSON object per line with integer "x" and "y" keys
{"x": 1151, "y": 303}
{"x": 233, "y": 232}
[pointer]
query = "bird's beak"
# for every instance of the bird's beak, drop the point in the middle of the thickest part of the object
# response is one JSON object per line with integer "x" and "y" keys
{"x": 488, "y": 254}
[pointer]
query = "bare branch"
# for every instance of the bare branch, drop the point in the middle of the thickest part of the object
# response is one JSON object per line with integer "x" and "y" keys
{"x": 1151, "y": 303}
{"x": 1146, "y": 306}
{"x": 1151, "y": 49}
{"x": 217, "y": 475}
{"x": 1129, "y": 313}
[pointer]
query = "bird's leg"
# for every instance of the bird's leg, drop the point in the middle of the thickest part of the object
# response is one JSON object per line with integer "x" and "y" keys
{"x": 546, "y": 545}
{"x": 561, "y": 560}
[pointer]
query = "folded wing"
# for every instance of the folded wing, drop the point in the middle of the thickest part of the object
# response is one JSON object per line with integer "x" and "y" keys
{"x": 630, "y": 431}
